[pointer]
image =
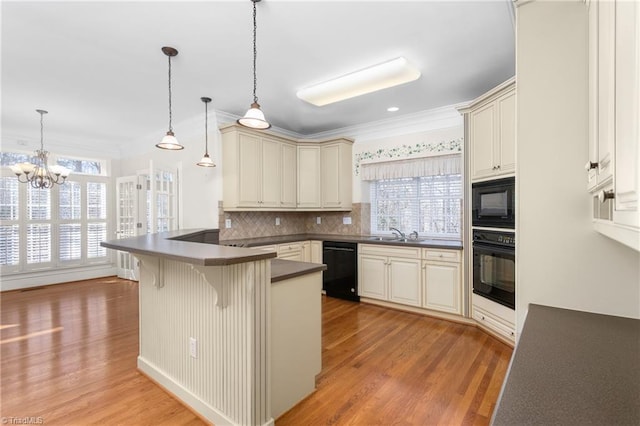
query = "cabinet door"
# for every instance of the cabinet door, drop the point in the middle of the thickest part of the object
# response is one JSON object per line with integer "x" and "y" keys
{"x": 404, "y": 281}
{"x": 506, "y": 140}
{"x": 372, "y": 276}
{"x": 271, "y": 168}
{"x": 592, "y": 173}
{"x": 627, "y": 97}
{"x": 308, "y": 176}
{"x": 442, "y": 286}
{"x": 288, "y": 175}
{"x": 606, "y": 88}
{"x": 316, "y": 252}
{"x": 330, "y": 176}
{"x": 250, "y": 169}
{"x": 293, "y": 251}
{"x": 481, "y": 129}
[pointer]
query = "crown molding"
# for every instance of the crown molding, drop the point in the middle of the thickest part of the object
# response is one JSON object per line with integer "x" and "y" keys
{"x": 16, "y": 141}
{"x": 437, "y": 118}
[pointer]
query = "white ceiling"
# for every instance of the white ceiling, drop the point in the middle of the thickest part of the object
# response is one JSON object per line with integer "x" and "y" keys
{"x": 98, "y": 68}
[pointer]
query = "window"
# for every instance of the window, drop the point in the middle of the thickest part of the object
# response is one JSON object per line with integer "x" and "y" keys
{"x": 430, "y": 205}
{"x": 63, "y": 226}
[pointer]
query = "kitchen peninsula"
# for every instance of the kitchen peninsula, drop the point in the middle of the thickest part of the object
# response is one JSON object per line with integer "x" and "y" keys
{"x": 233, "y": 338}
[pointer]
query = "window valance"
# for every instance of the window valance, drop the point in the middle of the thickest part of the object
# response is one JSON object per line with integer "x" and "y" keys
{"x": 417, "y": 167}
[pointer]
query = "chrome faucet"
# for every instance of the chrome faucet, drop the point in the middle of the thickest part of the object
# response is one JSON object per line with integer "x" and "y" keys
{"x": 399, "y": 232}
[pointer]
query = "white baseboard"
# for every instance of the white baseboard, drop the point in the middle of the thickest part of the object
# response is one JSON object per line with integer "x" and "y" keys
{"x": 185, "y": 396}
{"x": 55, "y": 276}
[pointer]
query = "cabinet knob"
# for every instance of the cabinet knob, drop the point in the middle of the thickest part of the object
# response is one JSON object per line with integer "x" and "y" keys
{"x": 605, "y": 195}
{"x": 590, "y": 165}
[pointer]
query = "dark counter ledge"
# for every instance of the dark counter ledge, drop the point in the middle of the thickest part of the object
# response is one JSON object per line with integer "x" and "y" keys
{"x": 362, "y": 239}
{"x": 285, "y": 269}
{"x": 165, "y": 245}
{"x": 573, "y": 368}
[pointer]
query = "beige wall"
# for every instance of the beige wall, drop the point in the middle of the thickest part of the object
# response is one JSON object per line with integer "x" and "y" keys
{"x": 561, "y": 260}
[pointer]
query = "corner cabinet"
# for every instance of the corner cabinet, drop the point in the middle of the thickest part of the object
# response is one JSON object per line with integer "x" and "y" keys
{"x": 267, "y": 172}
{"x": 492, "y": 132}
{"x": 325, "y": 175}
{"x": 613, "y": 166}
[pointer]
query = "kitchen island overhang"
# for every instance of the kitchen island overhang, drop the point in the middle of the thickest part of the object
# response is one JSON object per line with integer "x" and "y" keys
{"x": 205, "y": 325}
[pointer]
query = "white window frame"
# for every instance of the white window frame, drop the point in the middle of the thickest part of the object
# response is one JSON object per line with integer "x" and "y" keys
{"x": 55, "y": 221}
{"x": 414, "y": 218}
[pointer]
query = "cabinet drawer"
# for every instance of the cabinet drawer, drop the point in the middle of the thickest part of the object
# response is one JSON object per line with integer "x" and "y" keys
{"x": 266, "y": 248}
{"x": 441, "y": 255}
{"x": 486, "y": 319}
{"x": 385, "y": 250}
{"x": 289, "y": 247}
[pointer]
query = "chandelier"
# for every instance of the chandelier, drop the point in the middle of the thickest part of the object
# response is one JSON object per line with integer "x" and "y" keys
{"x": 40, "y": 175}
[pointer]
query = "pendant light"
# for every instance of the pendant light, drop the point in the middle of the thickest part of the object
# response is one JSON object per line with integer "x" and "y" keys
{"x": 169, "y": 141}
{"x": 40, "y": 175}
{"x": 206, "y": 160}
{"x": 254, "y": 118}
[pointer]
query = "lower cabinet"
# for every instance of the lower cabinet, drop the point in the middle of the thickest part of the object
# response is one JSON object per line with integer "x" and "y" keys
{"x": 301, "y": 251}
{"x": 494, "y": 317}
{"x": 427, "y": 278}
{"x": 315, "y": 252}
{"x": 442, "y": 281}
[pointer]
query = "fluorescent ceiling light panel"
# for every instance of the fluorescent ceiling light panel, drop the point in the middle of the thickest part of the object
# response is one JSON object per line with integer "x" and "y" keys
{"x": 382, "y": 76}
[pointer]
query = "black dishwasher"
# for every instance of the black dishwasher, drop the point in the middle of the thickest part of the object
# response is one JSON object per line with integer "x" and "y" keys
{"x": 341, "y": 277}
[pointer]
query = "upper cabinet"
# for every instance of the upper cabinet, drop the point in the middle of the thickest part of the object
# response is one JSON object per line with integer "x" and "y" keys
{"x": 324, "y": 175}
{"x": 492, "y": 132}
{"x": 613, "y": 166}
{"x": 265, "y": 171}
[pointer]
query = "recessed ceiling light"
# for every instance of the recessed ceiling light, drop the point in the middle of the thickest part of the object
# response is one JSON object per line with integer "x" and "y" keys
{"x": 388, "y": 74}
{"x": 393, "y": 109}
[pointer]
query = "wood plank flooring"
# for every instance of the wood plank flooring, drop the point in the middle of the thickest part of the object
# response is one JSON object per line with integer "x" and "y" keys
{"x": 69, "y": 357}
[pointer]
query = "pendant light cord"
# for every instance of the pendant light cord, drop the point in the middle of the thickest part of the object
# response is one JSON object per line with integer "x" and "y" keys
{"x": 206, "y": 129}
{"x": 170, "y": 128}
{"x": 255, "y": 53}
{"x": 41, "y": 132}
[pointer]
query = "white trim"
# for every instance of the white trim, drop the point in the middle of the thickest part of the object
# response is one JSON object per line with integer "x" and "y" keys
{"x": 56, "y": 276}
{"x": 183, "y": 394}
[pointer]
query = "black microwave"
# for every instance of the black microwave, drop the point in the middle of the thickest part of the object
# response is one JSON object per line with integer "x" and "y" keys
{"x": 493, "y": 203}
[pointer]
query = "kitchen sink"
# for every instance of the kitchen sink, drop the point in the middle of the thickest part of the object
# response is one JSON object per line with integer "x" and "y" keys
{"x": 396, "y": 239}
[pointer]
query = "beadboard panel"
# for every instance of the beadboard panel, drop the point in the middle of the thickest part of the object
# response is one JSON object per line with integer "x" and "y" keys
{"x": 228, "y": 380}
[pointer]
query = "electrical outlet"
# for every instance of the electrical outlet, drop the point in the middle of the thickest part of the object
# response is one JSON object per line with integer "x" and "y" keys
{"x": 227, "y": 223}
{"x": 277, "y": 221}
{"x": 193, "y": 347}
{"x": 346, "y": 220}
{"x": 318, "y": 220}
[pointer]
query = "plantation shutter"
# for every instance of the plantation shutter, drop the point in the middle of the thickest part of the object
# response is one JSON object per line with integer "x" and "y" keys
{"x": 96, "y": 218}
{"x": 9, "y": 227}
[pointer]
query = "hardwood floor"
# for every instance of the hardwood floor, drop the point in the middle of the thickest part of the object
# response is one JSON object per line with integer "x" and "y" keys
{"x": 69, "y": 356}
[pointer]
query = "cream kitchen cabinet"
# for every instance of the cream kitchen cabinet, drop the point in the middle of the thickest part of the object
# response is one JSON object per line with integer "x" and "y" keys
{"x": 390, "y": 273}
{"x": 315, "y": 252}
{"x": 291, "y": 251}
{"x": 492, "y": 131}
{"x": 324, "y": 175}
{"x": 614, "y": 112}
{"x": 335, "y": 175}
{"x": 309, "y": 177}
{"x": 442, "y": 280}
{"x": 258, "y": 170}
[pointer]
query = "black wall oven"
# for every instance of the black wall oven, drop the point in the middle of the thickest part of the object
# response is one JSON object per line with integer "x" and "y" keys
{"x": 493, "y": 203}
{"x": 494, "y": 266}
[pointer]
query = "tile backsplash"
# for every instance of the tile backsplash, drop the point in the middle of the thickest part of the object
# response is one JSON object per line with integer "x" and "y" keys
{"x": 263, "y": 224}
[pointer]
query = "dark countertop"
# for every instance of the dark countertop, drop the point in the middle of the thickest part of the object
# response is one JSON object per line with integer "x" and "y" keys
{"x": 573, "y": 368}
{"x": 161, "y": 245}
{"x": 362, "y": 239}
{"x": 285, "y": 269}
